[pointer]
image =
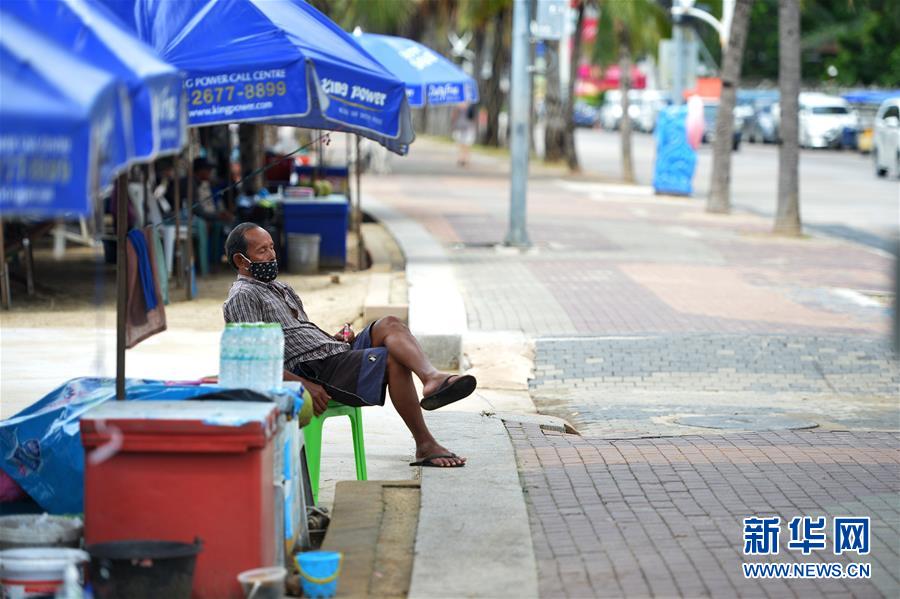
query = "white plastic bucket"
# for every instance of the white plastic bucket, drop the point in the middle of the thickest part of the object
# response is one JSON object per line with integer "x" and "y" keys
{"x": 263, "y": 583}
{"x": 303, "y": 253}
{"x": 39, "y": 530}
{"x": 36, "y": 572}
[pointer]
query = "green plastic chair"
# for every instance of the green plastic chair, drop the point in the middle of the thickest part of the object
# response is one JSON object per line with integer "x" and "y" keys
{"x": 312, "y": 438}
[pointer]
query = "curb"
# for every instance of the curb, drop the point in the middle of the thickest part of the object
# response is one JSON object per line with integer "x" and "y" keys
{"x": 437, "y": 313}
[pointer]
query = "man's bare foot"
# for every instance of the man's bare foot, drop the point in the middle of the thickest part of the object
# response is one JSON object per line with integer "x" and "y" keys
{"x": 444, "y": 389}
{"x": 434, "y": 449}
{"x": 434, "y": 383}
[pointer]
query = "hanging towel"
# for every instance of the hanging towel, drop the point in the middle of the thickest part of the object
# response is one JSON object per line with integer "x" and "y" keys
{"x": 162, "y": 273}
{"x": 140, "y": 322}
{"x": 145, "y": 268}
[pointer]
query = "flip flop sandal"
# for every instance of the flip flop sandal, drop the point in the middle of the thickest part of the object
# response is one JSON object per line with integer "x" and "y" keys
{"x": 429, "y": 461}
{"x": 449, "y": 392}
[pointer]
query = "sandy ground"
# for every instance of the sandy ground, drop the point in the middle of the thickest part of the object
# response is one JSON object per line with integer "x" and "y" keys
{"x": 79, "y": 291}
{"x": 67, "y": 329}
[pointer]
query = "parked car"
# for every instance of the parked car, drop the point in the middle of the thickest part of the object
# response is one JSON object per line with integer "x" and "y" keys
{"x": 710, "y": 112}
{"x": 652, "y": 101}
{"x": 611, "y": 109}
{"x": 584, "y": 114}
{"x": 826, "y": 121}
{"x": 886, "y": 138}
{"x": 762, "y": 126}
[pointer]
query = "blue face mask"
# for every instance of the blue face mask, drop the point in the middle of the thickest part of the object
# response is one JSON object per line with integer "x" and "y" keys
{"x": 263, "y": 271}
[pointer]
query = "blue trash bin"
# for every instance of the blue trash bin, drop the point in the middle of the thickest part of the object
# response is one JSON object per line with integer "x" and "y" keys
{"x": 327, "y": 217}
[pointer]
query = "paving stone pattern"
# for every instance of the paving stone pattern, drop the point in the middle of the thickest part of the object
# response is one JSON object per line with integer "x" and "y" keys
{"x": 663, "y": 516}
{"x": 832, "y": 364}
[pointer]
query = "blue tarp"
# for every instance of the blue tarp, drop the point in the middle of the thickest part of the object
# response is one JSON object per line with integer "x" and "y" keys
{"x": 429, "y": 77}
{"x": 90, "y": 32}
{"x": 62, "y": 133}
{"x": 40, "y": 447}
{"x": 272, "y": 61}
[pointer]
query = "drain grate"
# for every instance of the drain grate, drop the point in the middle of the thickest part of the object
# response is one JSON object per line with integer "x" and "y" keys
{"x": 768, "y": 422}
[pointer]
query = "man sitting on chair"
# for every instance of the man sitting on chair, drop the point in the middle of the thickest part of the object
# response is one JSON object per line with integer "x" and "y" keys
{"x": 354, "y": 371}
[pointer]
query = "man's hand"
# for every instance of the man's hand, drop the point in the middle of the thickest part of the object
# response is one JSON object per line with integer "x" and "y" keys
{"x": 346, "y": 334}
{"x": 319, "y": 395}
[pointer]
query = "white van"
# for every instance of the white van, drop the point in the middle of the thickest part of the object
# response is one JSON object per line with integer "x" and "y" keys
{"x": 823, "y": 119}
{"x": 886, "y": 138}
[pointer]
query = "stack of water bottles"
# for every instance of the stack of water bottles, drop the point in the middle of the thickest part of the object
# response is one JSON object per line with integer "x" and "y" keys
{"x": 251, "y": 356}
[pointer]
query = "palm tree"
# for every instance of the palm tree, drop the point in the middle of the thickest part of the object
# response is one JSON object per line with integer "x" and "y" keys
{"x": 626, "y": 29}
{"x": 490, "y": 20}
{"x": 719, "y": 199}
{"x": 559, "y": 133}
{"x": 787, "y": 217}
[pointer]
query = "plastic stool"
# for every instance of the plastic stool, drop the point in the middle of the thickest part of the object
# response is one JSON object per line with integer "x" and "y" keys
{"x": 312, "y": 438}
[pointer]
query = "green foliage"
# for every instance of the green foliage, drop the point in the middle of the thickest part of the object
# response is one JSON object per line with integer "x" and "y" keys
{"x": 478, "y": 13}
{"x": 858, "y": 37}
{"x": 639, "y": 23}
{"x": 373, "y": 16}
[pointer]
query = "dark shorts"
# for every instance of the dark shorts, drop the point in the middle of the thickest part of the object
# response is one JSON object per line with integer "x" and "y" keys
{"x": 354, "y": 378}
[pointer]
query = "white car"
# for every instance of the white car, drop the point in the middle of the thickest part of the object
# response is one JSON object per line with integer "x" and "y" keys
{"x": 611, "y": 109}
{"x": 823, "y": 119}
{"x": 886, "y": 138}
{"x": 652, "y": 101}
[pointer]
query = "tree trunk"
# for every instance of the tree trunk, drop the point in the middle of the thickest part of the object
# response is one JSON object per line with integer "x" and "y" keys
{"x": 625, "y": 126}
{"x": 719, "y": 199}
{"x": 574, "y": 57}
{"x": 249, "y": 149}
{"x": 493, "y": 98}
{"x": 476, "y": 74}
{"x": 554, "y": 115}
{"x": 787, "y": 216}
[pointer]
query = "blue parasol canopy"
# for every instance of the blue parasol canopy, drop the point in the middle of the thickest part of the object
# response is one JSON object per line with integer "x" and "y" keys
{"x": 272, "y": 61}
{"x": 92, "y": 33}
{"x": 429, "y": 77}
{"x": 62, "y": 137}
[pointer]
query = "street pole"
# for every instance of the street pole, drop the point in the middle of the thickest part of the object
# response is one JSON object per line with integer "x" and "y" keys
{"x": 520, "y": 92}
{"x": 678, "y": 65}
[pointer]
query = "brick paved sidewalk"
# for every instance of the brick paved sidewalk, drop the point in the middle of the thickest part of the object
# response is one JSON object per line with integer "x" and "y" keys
{"x": 663, "y": 516}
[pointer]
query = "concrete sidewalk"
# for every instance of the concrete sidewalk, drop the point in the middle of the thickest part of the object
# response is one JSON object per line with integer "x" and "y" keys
{"x": 640, "y": 317}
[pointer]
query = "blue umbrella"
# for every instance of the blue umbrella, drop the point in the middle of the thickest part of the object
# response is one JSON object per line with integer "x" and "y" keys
{"x": 62, "y": 137}
{"x": 92, "y": 33}
{"x": 272, "y": 61}
{"x": 429, "y": 77}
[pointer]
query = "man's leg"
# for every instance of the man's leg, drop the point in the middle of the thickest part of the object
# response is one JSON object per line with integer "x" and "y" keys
{"x": 390, "y": 332}
{"x": 406, "y": 401}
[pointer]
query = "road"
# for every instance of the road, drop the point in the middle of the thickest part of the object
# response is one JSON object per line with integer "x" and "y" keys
{"x": 839, "y": 192}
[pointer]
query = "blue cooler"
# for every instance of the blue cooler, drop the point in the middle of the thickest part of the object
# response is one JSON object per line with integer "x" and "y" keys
{"x": 327, "y": 217}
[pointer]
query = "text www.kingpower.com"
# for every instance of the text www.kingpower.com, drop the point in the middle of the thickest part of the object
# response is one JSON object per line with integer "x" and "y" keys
{"x": 807, "y": 570}
{"x": 229, "y": 109}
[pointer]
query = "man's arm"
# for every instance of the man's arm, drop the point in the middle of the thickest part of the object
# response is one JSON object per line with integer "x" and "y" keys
{"x": 319, "y": 394}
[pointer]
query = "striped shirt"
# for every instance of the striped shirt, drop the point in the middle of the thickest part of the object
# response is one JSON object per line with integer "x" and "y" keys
{"x": 254, "y": 301}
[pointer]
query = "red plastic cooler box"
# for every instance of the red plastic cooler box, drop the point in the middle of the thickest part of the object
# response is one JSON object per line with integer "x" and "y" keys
{"x": 185, "y": 469}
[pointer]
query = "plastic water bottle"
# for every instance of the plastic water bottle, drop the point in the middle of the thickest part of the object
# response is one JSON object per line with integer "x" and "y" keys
{"x": 256, "y": 372}
{"x": 275, "y": 344}
{"x": 251, "y": 356}
{"x": 229, "y": 362}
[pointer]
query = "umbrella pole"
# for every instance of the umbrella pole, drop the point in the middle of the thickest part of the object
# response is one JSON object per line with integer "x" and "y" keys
{"x": 178, "y": 255}
{"x": 189, "y": 242}
{"x": 357, "y": 221}
{"x": 121, "y": 281}
{"x": 4, "y": 272}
